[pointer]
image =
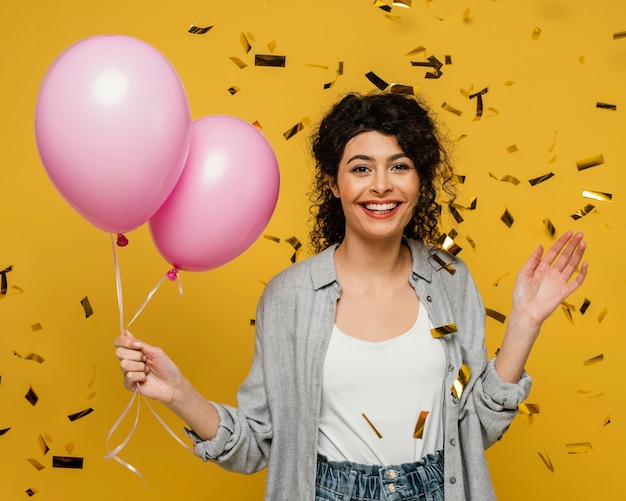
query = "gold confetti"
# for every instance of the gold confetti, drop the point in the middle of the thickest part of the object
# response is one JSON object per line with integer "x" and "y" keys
{"x": 197, "y": 30}
{"x": 296, "y": 128}
{"x": 270, "y": 60}
{"x": 69, "y": 448}
{"x": 590, "y": 162}
{"x": 606, "y": 106}
{"x": 536, "y": 33}
{"x": 402, "y": 3}
{"x": 233, "y": 90}
{"x": 471, "y": 242}
{"x": 581, "y": 59}
{"x": 479, "y": 102}
{"x": 31, "y": 492}
{"x": 79, "y": 415}
{"x": 410, "y": 90}
{"x": 257, "y": 124}
{"x": 252, "y": 322}
{"x": 507, "y": 218}
{"x": 272, "y": 46}
{"x": 619, "y": 34}
{"x": 372, "y": 426}
{"x": 510, "y": 179}
{"x": 36, "y": 327}
{"x": 43, "y": 445}
{"x": 497, "y": 281}
{"x": 584, "y": 306}
{"x": 602, "y": 314}
{"x": 36, "y": 464}
{"x": 607, "y": 420}
{"x": 35, "y": 358}
{"x": 540, "y": 179}
{"x": 451, "y": 109}
{"x": 297, "y": 245}
{"x": 598, "y": 195}
{"x": 455, "y": 213}
{"x": 594, "y": 360}
{"x": 458, "y": 179}
{"x": 568, "y": 310}
{"x": 3, "y": 281}
{"x": 238, "y": 62}
{"x": 418, "y": 432}
{"x": 583, "y": 212}
{"x": 376, "y": 80}
{"x": 86, "y": 306}
{"x": 546, "y": 460}
{"x": 432, "y": 62}
{"x": 549, "y": 226}
{"x": 382, "y": 5}
{"x": 67, "y": 462}
{"x": 512, "y": 149}
{"x": 31, "y": 396}
{"x": 438, "y": 332}
{"x": 529, "y": 408}
{"x": 245, "y": 43}
{"x": 419, "y": 49}
{"x": 272, "y": 238}
{"x": 443, "y": 265}
{"x": 461, "y": 381}
{"x": 495, "y": 315}
{"x": 578, "y": 448}
{"x": 4, "y": 430}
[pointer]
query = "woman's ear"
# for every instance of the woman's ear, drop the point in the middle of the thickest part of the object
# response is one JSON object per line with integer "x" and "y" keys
{"x": 332, "y": 182}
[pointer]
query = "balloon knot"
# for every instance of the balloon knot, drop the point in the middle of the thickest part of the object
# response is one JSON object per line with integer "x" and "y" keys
{"x": 122, "y": 241}
{"x": 172, "y": 274}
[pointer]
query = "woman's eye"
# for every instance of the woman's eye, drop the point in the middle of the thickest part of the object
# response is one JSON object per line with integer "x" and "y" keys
{"x": 360, "y": 169}
{"x": 401, "y": 167}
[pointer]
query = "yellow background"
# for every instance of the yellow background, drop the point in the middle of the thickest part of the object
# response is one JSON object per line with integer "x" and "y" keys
{"x": 542, "y": 95}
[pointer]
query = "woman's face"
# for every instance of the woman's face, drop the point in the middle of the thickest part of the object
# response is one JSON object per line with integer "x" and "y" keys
{"x": 378, "y": 186}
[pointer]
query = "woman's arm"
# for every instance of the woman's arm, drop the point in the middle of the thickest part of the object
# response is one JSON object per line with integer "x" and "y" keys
{"x": 159, "y": 378}
{"x": 542, "y": 284}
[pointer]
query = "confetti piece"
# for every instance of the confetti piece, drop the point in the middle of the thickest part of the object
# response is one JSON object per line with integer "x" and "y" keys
{"x": 456, "y": 214}
{"x": 252, "y": 322}
{"x": 578, "y": 448}
{"x": 36, "y": 464}
{"x": 272, "y": 46}
{"x": 69, "y": 448}
{"x": 461, "y": 381}
{"x": 607, "y": 420}
{"x": 529, "y": 408}
{"x": 471, "y": 242}
{"x": 197, "y": 30}
{"x": 598, "y": 195}
{"x": 536, "y": 33}
{"x": 546, "y": 460}
{"x": 619, "y": 34}
{"x": 584, "y": 306}
{"x": 31, "y": 492}
{"x": 510, "y": 179}
{"x": 549, "y": 226}
{"x": 497, "y": 281}
{"x": 270, "y": 60}
{"x": 602, "y": 314}
{"x": 36, "y": 327}
{"x": 606, "y": 106}
{"x": 594, "y": 360}
{"x": 372, "y": 426}
{"x": 451, "y": 109}
{"x": 376, "y": 80}
{"x": 67, "y": 462}
{"x": 31, "y": 396}
{"x": 443, "y": 265}
{"x": 511, "y": 149}
{"x": 479, "y": 102}
{"x": 296, "y": 244}
{"x": 541, "y": 179}
{"x": 406, "y": 4}
{"x": 43, "y": 445}
{"x": 382, "y": 5}
{"x": 432, "y": 62}
{"x": 418, "y": 50}
{"x": 418, "y": 432}
{"x": 3, "y": 281}
{"x": 581, "y": 59}
{"x": 245, "y": 43}
{"x": 238, "y": 62}
{"x": 410, "y": 90}
{"x": 4, "y": 430}
{"x": 590, "y": 162}
{"x": 272, "y": 238}
{"x": 583, "y": 212}
{"x": 233, "y": 90}
{"x": 495, "y": 315}
{"x": 79, "y": 415}
{"x": 297, "y": 128}
{"x": 86, "y": 306}
{"x": 35, "y": 358}
{"x": 442, "y": 330}
{"x": 507, "y": 218}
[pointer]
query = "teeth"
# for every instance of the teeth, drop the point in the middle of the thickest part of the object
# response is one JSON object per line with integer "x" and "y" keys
{"x": 381, "y": 206}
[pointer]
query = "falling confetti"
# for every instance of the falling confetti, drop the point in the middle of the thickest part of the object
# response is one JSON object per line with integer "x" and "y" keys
{"x": 418, "y": 432}
{"x": 196, "y": 30}
{"x": 86, "y": 306}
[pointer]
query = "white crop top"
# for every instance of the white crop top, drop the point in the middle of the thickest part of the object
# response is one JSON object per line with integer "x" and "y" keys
{"x": 382, "y": 401}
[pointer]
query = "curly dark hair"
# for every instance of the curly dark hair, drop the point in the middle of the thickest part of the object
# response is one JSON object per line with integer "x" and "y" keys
{"x": 403, "y": 116}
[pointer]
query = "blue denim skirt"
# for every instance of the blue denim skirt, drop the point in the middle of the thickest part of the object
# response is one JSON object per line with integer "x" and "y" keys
{"x": 346, "y": 481}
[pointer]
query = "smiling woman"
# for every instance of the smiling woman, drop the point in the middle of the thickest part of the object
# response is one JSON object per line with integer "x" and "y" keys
{"x": 370, "y": 375}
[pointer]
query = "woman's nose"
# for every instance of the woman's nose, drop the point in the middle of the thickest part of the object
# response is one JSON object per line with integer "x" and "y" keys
{"x": 381, "y": 182}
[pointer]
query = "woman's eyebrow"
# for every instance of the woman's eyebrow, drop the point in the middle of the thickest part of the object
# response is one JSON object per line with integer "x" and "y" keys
{"x": 368, "y": 158}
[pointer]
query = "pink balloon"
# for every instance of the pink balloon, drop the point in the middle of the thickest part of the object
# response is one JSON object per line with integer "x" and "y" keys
{"x": 224, "y": 198}
{"x": 113, "y": 128}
